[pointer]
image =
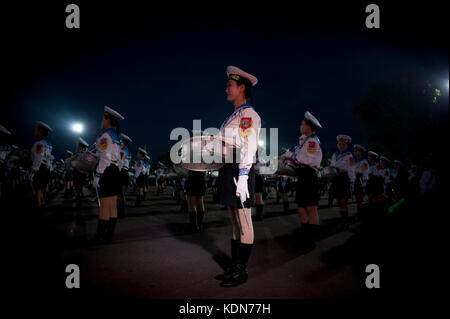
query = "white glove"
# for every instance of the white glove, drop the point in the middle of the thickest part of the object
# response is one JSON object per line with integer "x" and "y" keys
{"x": 242, "y": 188}
{"x": 96, "y": 180}
{"x": 288, "y": 154}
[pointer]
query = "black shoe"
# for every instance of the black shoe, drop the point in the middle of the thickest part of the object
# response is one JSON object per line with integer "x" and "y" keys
{"x": 184, "y": 206}
{"x": 121, "y": 209}
{"x": 234, "y": 252}
{"x": 200, "y": 215}
{"x": 192, "y": 227}
{"x": 239, "y": 273}
{"x": 110, "y": 230}
{"x": 286, "y": 207}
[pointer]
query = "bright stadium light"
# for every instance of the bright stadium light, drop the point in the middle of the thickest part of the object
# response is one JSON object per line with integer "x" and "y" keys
{"x": 77, "y": 127}
{"x": 261, "y": 143}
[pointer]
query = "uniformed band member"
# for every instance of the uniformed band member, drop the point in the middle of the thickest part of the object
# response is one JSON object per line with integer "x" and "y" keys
{"x": 385, "y": 173}
{"x": 308, "y": 155}
{"x": 79, "y": 178}
{"x": 243, "y": 126}
{"x": 68, "y": 178}
{"x": 107, "y": 176}
{"x": 40, "y": 155}
{"x": 259, "y": 188}
{"x": 361, "y": 174}
{"x": 195, "y": 191}
{"x": 343, "y": 182}
{"x": 284, "y": 187}
{"x": 139, "y": 176}
{"x": 374, "y": 181}
{"x": 5, "y": 149}
{"x": 146, "y": 174}
{"x": 124, "y": 163}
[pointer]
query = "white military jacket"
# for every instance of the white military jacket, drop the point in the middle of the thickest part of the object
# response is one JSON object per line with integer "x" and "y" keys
{"x": 344, "y": 163}
{"x": 308, "y": 151}
{"x": 41, "y": 153}
{"x": 242, "y": 129}
{"x": 362, "y": 167}
{"x": 108, "y": 150}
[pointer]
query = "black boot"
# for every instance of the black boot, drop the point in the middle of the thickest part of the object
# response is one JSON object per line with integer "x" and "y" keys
{"x": 200, "y": 215}
{"x": 286, "y": 207}
{"x": 239, "y": 273}
{"x": 100, "y": 236}
{"x": 192, "y": 228}
{"x": 304, "y": 234}
{"x": 313, "y": 235}
{"x": 344, "y": 220}
{"x": 184, "y": 206}
{"x": 138, "y": 201}
{"x": 120, "y": 209}
{"x": 259, "y": 212}
{"x": 234, "y": 253}
{"x": 110, "y": 230}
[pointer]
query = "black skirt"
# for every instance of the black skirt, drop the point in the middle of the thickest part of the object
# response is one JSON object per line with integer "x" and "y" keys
{"x": 340, "y": 186}
{"x": 41, "y": 177}
{"x": 78, "y": 179}
{"x": 124, "y": 179}
{"x": 227, "y": 188}
{"x": 69, "y": 176}
{"x": 259, "y": 183}
{"x": 195, "y": 184}
{"x": 307, "y": 192}
{"x": 140, "y": 181}
{"x": 109, "y": 184}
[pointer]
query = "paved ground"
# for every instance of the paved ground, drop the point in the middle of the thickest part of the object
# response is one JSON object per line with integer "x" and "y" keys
{"x": 152, "y": 257}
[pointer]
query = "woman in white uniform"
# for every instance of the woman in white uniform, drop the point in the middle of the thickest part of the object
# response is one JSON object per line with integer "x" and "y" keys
{"x": 242, "y": 127}
{"x": 107, "y": 176}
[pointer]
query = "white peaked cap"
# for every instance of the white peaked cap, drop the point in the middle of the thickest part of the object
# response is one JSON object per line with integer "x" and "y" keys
{"x": 83, "y": 141}
{"x": 312, "y": 118}
{"x": 232, "y": 70}
{"x": 113, "y": 113}
{"x": 344, "y": 137}
{"x": 360, "y": 147}
{"x": 4, "y": 130}
{"x": 44, "y": 125}
{"x": 126, "y": 137}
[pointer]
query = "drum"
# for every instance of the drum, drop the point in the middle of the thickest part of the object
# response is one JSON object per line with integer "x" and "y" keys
{"x": 283, "y": 166}
{"x": 326, "y": 174}
{"x": 182, "y": 172}
{"x": 205, "y": 153}
{"x": 85, "y": 162}
{"x": 19, "y": 156}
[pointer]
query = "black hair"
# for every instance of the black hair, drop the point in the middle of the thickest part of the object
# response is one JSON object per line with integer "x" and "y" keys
{"x": 114, "y": 121}
{"x": 248, "y": 88}
{"x": 44, "y": 131}
{"x": 310, "y": 124}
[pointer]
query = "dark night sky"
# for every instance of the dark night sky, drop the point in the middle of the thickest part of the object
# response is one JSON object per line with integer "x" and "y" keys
{"x": 162, "y": 67}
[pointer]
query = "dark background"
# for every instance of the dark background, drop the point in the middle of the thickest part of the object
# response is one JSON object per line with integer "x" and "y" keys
{"x": 163, "y": 65}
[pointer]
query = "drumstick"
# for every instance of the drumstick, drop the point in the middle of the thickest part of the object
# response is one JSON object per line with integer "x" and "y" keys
{"x": 242, "y": 203}
{"x": 96, "y": 191}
